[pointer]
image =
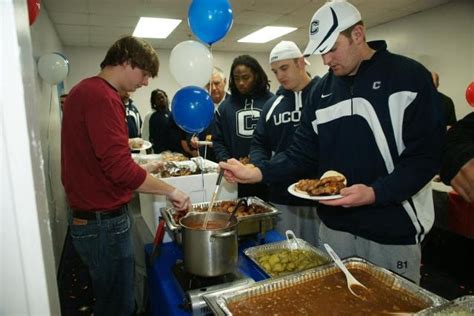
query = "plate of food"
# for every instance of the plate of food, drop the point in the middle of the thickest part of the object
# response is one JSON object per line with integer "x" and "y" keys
{"x": 328, "y": 187}
{"x": 138, "y": 144}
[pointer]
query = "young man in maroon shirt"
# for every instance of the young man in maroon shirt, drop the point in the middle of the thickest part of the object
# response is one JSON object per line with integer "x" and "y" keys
{"x": 99, "y": 175}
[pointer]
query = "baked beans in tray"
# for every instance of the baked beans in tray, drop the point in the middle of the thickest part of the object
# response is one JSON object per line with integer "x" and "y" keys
{"x": 323, "y": 291}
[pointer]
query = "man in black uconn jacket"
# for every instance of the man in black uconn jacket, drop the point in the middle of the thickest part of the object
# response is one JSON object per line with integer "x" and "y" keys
{"x": 375, "y": 117}
{"x": 274, "y": 133}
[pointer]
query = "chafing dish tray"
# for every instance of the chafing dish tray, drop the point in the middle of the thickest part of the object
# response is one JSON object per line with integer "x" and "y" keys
{"x": 309, "y": 293}
{"x": 287, "y": 256}
{"x": 257, "y": 222}
{"x": 462, "y": 306}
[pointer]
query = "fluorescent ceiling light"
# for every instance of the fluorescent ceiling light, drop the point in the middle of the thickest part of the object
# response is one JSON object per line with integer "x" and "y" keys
{"x": 155, "y": 27}
{"x": 266, "y": 34}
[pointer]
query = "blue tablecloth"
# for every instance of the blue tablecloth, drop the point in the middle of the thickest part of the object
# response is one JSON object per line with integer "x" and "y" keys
{"x": 165, "y": 297}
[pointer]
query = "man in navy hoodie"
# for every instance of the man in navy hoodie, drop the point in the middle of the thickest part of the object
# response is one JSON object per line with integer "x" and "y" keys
{"x": 239, "y": 114}
{"x": 374, "y": 117}
{"x": 274, "y": 133}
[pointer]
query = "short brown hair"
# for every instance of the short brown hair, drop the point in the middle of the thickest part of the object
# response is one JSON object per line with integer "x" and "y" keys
{"x": 133, "y": 49}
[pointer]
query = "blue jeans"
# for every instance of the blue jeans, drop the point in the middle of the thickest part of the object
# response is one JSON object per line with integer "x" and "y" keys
{"x": 106, "y": 247}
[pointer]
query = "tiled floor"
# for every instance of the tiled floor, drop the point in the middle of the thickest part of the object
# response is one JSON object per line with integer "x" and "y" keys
{"x": 447, "y": 270}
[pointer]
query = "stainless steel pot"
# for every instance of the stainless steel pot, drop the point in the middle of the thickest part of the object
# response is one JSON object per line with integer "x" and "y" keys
{"x": 209, "y": 252}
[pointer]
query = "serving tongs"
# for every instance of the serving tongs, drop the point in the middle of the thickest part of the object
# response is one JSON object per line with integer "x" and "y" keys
{"x": 236, "y": 207}
{"x": 213, "y": 198}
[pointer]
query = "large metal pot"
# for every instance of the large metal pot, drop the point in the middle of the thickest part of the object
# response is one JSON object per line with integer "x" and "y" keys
{"x": 213, "y": 251}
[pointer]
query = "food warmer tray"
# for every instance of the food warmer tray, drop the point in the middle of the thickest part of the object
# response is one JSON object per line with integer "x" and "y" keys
{"x": 290, "y": 244}
{"x": 248, "y": 225}
{"x": 287, "y": 281}
{"x": 461, "y": 306}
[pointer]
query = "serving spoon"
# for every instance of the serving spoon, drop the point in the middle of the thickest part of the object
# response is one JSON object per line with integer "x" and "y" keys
{"x": 351, "y": 281}
{"x": 234, "y": 211}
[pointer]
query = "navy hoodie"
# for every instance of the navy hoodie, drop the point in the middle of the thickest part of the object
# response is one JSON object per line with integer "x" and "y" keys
{"x": 235, "y": 125}
{"x": 274, "y": 133}
{"x": 381, "y": 127}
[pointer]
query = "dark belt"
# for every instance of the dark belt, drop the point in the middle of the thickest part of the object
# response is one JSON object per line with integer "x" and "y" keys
{"x": 94, "y": 215}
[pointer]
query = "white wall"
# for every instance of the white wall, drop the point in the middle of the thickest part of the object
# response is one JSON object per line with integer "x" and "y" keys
{"x": 442, "y": 39}
{"x": 44, "y": 40}
{"x": 27, "y": 269}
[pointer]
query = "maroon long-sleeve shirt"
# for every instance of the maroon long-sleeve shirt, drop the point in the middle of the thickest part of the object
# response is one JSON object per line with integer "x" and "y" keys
{"x": 97, "y": 170}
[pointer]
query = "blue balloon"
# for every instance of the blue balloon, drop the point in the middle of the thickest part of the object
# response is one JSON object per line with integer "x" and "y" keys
{"x": 210, "y": 20}
{"x": 192, "y": 109}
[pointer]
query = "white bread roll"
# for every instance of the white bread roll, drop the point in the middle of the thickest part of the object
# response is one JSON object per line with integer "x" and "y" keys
{"x": 333, "y": 173}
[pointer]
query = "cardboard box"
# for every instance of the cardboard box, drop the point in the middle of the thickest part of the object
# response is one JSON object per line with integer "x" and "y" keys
{"x": 199, "y": 187}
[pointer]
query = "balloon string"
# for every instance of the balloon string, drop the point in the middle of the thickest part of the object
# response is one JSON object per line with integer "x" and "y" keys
{"x": 48, "y": 152}
{"x": 210, "y": 79}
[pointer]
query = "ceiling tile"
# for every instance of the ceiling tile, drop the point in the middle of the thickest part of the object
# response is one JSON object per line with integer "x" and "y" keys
{"x": 255, "y": 18}
{"x": 113, "y": 20}
{"x": 99, "y": 23}
{"x": 69, "y": 18}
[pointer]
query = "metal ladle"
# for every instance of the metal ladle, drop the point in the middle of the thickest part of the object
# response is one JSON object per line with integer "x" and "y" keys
{"x": 351, "y": 281}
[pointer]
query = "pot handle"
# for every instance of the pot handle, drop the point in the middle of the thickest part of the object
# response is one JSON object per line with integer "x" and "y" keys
{"x": 222, "y": 235}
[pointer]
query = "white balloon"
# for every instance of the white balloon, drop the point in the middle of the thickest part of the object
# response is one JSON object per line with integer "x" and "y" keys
{"x": 191, "y": 64}
{"x": 53, "y": 68}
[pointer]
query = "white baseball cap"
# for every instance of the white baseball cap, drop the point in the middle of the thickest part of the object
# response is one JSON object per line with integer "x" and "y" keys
{"x": 331, "y": 19}
{"x": 285, "y": 50}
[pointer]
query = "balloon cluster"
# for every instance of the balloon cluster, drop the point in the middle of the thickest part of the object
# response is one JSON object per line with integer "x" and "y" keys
{"x": 191, "y": 63}
{"x": 53, "y": 68}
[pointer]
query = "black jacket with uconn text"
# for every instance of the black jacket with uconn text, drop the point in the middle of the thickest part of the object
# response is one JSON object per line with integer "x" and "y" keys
{"x": 274, "y": 133}
{"x": 383, "y": 128}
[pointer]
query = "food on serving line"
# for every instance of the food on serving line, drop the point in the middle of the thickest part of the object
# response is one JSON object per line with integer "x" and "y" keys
{"x": 328, "y": 295}
{"x": 284, "y": 261}
{"x": 135, "y": 142}
{"x": 171, "y": 156}
{"x": 330, "y": 183}
{"x": 175, "y": 172}
{"x": 225, "y": 207}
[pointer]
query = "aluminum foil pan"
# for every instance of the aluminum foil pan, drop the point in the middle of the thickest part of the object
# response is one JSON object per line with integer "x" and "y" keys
{"x": 316, "y": 256}
{"x": 287, "y": 282}
{"x": 462, "y": 306}
{"x": 248, "y": 225}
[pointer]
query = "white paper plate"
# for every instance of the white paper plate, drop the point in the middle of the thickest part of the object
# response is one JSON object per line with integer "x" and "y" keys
{"x": 146, "y": 145}
{"x": 302, "y": 195}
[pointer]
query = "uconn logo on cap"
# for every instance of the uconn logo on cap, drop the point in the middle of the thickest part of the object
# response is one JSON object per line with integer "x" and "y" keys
{"x": 314, "y": 27}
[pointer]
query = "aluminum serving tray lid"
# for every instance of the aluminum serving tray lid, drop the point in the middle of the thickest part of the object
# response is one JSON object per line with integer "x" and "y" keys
{"x": 288, "y": 281}
{"x": 272, "y": 211}
{"x": 461, "y": 306}
{"x": 254, "y": 253}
